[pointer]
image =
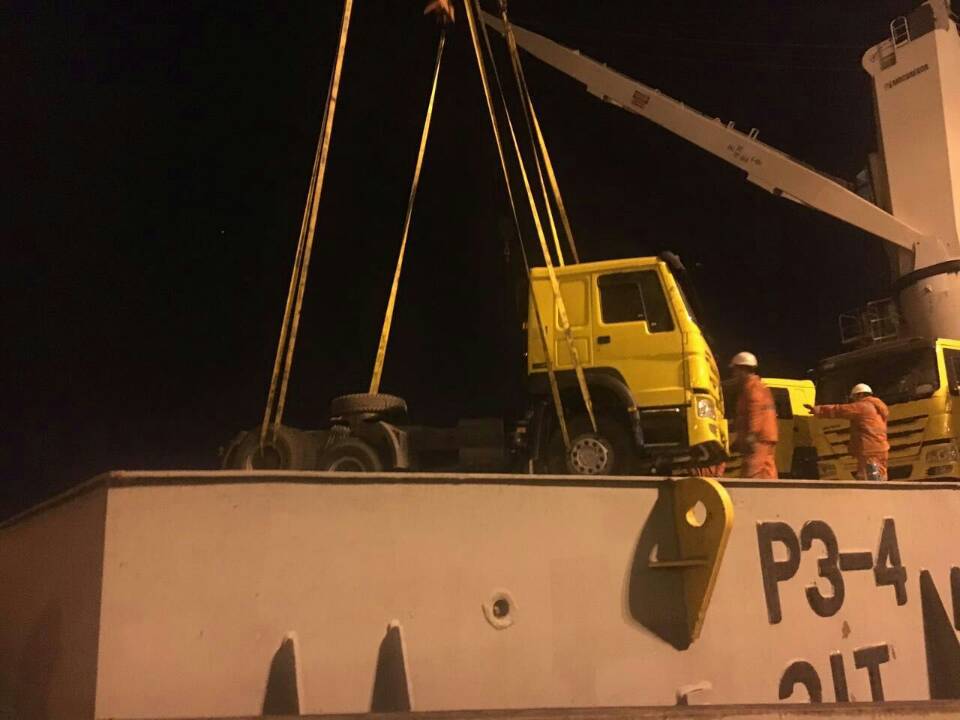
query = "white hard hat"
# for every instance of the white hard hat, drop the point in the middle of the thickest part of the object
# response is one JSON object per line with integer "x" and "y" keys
{"x": 744, "y": 359}
{"x": 861, "y": 388}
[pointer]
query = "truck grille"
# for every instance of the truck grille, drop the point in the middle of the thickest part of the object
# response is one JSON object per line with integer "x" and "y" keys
{"x": 905, "y": 436}
{"x": 900, "y": 472}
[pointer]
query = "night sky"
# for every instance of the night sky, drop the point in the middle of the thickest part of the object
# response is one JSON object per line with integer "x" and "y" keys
{"x": 156, "y": 159}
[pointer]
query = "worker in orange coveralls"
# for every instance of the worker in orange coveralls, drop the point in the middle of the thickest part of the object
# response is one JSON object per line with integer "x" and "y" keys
{"x": 868, "y": 430}
{"x": 755, "y": 424}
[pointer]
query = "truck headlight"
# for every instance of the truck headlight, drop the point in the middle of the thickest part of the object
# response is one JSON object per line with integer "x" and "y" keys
{"x": 946, "y": 453}
{"x": 706, "y": 408}
{"x": 827, "y": 469}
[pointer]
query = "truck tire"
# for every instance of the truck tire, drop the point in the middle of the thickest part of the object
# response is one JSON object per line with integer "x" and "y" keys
{"x": 803, "y": 465}
{"x": 290, "y": 449}
{"x": 367, "y": 403}
{"x": 610, "y": 451}
{"x": 351, "y": 455}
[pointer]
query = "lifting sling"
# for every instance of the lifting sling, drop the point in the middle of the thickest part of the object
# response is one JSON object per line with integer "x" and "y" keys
{"x": 563, "y": 321}
{"x": 533, "y": 127}
{"x": 279, "y": 382}
{"x": 526, "y": 104}
{"x": 541, "y": 328}
{"x": 391, "y": 302}
{"x": 277, "y": 394}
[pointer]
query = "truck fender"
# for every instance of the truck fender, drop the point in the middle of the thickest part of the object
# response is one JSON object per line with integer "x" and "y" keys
{"x": 390, "y": 440}
{"x": 615, "y": 385}
{"x": 608, "y": 379}
{"x": 623, "y": 394}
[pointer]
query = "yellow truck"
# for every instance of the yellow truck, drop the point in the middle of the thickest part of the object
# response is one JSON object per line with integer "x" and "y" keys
{"x": 920, "y": 380}
{"x": 796, "y": 453}
{"x": 652, "y": 379}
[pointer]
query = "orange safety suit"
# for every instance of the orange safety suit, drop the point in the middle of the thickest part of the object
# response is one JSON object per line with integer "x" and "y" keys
{"x": 868, "y": 431}
{"x": 756, "y": 428}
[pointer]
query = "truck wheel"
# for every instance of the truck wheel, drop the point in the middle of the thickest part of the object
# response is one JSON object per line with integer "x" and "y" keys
{"x": 367, "y": 403}
{"x": 290, "y": 450}
{"x": 607, "y": 452}
{"x": 804, "y": 464}
{"x": 351, "y": 455}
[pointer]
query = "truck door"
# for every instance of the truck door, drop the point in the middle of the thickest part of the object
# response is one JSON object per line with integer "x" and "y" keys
{"x": 576, "y": 299}
{"x": 635, "y": 332}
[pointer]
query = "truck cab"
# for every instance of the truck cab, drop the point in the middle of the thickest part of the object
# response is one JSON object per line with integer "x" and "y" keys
{"x": 919, "y": 379}
{"x": 796, "y": 456}
{"x": 652, "y": 378}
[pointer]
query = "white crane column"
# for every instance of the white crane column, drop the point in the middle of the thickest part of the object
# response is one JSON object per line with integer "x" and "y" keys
{"x": 916, "y": 76}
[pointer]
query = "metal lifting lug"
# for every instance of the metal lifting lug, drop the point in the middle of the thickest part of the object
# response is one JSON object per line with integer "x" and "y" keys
{"x": 703, "y": 518}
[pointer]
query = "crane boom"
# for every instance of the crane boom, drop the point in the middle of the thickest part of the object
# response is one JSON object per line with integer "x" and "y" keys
{"x": 765, "y": 166}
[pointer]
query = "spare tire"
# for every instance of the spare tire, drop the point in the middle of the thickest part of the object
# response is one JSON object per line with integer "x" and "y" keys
{"x": 351, "y": 455}
{"x": 367, "y": 404}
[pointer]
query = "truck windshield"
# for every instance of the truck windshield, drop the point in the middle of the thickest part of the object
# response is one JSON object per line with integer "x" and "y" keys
{"x": 896, "y": 377}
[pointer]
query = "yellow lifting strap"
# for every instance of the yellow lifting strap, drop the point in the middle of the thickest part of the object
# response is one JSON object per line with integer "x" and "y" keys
{"x": 552, "y": 177}
{"x": 562, "y": 317}
{"x": 277, "y": 394}
{"x": 536, "y": 134}
{"x": 541, "y": 328}
{"x": 546, "y": 204}
{"x": 391, "y": 302}
{"x": 527, "y": 104}
{"x": 541, "y": 141}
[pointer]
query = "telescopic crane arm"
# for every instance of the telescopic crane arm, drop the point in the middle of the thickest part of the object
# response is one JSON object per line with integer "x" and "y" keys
{"x": 765, "y": 166}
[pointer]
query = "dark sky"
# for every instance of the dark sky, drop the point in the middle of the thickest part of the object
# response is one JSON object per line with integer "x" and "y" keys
{"x": 156, "y": 158}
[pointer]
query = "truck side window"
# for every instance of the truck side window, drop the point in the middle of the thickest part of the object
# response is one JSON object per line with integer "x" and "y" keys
{"x": 952, "y": 360}
{"x": 633, "y": 296}
{"x": 658, "y": 314}
{"x": 620, "y": 298}
{"x": 781, "y": 400}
